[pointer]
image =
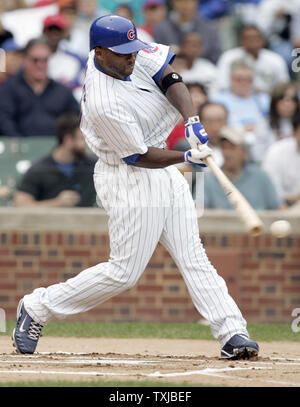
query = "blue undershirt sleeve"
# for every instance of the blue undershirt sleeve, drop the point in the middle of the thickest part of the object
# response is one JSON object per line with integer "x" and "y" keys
{"x": 132, "y": 159}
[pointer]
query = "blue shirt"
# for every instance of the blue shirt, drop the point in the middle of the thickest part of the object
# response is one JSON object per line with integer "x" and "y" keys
{"x": 66, "y": 168}
{"x": 25, "y": 113}
{"x": 212, "y": 9}
{"x": 254, "y": 184}
{"x": 243, "y": 111}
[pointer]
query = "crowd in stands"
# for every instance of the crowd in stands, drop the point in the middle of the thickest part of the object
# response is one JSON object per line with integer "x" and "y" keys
{"x": 238, "y": 58}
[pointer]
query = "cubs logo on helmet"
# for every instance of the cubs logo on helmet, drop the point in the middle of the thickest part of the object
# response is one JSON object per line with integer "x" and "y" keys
{"x": 131, "y": 35}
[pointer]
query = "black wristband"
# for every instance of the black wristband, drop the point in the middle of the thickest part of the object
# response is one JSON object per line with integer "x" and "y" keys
{"x": 169, "y": 79}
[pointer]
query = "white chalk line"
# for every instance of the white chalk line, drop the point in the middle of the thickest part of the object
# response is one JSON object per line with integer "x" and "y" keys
{"x": 37, "y": 358}
{"x": 62, "y": 360}
{"x": 205, "y": 372}
{"x": 208, "y": 371}
{"x": 105, "y": 361}
{"x": 214, "y": 372}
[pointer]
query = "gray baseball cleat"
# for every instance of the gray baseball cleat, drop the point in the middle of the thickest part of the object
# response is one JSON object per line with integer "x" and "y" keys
{"x": 239, "y": 347}
{"x": 27, "y": 332}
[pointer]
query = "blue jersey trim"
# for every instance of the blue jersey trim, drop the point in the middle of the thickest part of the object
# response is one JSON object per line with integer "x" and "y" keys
{"x": 132, "y": 159}
{"x": 99, "y": 69}
{"x": 170, "y": 58}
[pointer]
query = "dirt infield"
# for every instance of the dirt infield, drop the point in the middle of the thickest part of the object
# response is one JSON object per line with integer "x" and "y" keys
{"x": 175, "y": 361}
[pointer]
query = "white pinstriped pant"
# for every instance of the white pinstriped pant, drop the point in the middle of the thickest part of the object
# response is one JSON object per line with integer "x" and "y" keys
{"x": 144, "y": 207}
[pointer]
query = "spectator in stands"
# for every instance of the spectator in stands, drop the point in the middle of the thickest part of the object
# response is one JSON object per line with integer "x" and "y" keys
{"x": 283, "y": 107}
{"x": 81, "y": 14}
{"x": 184, "y": 19}
{"x": 179, "y": 64}
{"x": 69, "y": 11}
{"x": 269, "y": 67}
{"x": 245, "y": 11}
{"x": 154, "y": 11}
{"x": 63, "y": 66}
{"x": 282, "y": 163}
{"x": 13, "y": 59}
{"x": 295, "y": 32}
{"x": 275, "y": 19}
{"x": 136, "y": 6}
{"x": 213, "y": 9}
{"x": 64, "y": 178}
{"x": 126, "y": 11}
{"x": 214, "y": 117}
{"x": 30, "y": 102}
{"x": 249, "y": 179}
{"x": 199, "y": 69}
{"x": 10, "y": 5}
{"x": 4, "y": 34}
{"x": 246, "y": 108}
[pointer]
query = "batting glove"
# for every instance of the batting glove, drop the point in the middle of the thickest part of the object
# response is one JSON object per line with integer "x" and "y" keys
{"x": 196, "y": 156}
{"x": 194, "y": 132}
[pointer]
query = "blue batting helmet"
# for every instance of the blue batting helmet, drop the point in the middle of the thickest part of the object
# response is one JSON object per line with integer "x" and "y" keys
{"x": 115, "y": 33}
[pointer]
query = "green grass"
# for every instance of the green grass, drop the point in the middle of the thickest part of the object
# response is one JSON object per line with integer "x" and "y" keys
{"x": 259, "y": 332}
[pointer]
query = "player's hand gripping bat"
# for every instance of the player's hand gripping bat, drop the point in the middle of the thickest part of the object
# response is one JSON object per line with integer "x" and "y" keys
{"x": 197, "y": 137}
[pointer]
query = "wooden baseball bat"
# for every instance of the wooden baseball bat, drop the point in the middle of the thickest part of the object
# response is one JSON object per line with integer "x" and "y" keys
{"x": 244, "y": 210}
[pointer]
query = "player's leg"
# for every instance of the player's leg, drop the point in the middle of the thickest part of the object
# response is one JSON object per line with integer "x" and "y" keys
{"x": 207, "y": 289}
{"x": 131, "y": 250}
{"x": 130, "y": 253}
{"x": 134, "y": 231}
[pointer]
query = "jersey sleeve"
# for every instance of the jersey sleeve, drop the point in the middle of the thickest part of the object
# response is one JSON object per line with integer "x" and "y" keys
{"x": 155, "y": 61}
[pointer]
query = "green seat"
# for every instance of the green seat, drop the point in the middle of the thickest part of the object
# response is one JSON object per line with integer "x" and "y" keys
{"x": 17, "y": 155}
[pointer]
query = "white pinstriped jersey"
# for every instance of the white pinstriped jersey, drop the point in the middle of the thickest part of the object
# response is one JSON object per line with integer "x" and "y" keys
{"x": 125, "y": 117}
{"x": 144, "y": 205}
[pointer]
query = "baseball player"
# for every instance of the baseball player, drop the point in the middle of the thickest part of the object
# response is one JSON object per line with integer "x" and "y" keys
{"x": 131, "y": 101}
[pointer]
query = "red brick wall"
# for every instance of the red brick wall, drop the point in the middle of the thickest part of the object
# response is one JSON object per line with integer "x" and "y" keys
{"x": 262, "y": 275}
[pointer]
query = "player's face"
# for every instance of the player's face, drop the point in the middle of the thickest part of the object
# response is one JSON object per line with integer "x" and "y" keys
{"x": 118, "y": 66}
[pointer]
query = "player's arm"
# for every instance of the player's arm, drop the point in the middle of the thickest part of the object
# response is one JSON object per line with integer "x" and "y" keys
{"x": 177, "y": 93}
{"x": 179, "y": 96}
{"x": 159, "y": 158}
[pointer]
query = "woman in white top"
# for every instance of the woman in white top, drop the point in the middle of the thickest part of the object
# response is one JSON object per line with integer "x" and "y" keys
{"x": 284, "y": 105}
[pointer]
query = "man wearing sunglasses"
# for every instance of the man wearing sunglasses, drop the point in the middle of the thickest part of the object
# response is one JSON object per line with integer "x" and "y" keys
{"x": 30, "y": 102}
